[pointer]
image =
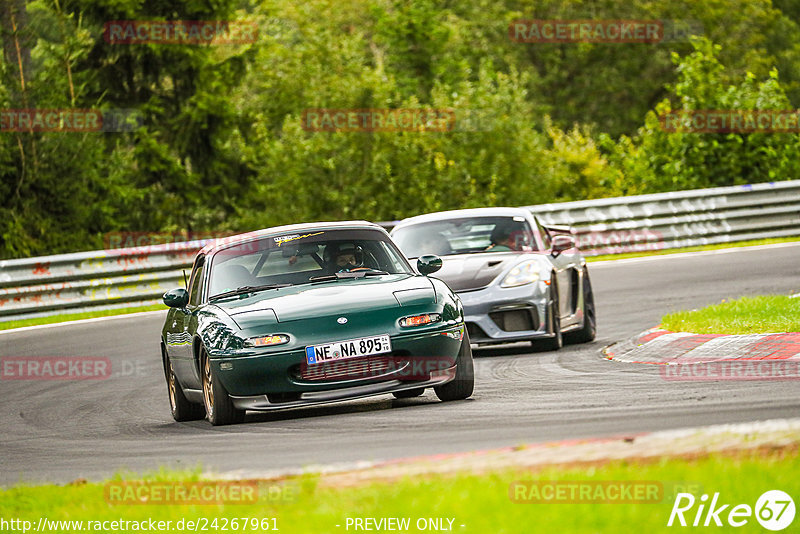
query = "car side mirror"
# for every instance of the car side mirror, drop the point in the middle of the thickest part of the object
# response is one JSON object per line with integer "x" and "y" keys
{"x": 562, "y": 243}
{"x": 176, "y": 298}
{"x": 429, "y": 264}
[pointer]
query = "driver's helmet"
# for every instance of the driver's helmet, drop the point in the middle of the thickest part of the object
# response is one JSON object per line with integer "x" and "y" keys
{"x": 344, "y": 256}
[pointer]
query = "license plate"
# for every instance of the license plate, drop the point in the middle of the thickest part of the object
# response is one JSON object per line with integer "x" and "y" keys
{"x": 352, "y": 348}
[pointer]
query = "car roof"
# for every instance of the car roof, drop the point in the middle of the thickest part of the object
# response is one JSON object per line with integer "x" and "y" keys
{"x": 223, "y": 242}
{"x": 465, "y": 214}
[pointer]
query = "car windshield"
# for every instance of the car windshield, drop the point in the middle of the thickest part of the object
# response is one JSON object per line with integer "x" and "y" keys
{"x": 295, "y": 258}
{"x": 465, "y": 236}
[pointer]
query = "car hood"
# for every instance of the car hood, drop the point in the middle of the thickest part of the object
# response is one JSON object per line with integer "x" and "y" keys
{"x": 327, "y": 298}
{"x": 465, "y": 272}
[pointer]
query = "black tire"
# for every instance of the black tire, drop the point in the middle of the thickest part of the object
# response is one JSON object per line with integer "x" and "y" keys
{"x": 409, "y": 393}
{"x": 554, "y": 316}
{"x": 588, "y": 331}
{"x": 463, "y": 384}
{"x": 218, "y": 404}
{"x": 181, "y": 408}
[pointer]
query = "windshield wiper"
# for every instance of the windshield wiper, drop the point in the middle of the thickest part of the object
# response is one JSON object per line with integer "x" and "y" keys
{"x": 246, "y": 289}
{"x": 347, "y": 274}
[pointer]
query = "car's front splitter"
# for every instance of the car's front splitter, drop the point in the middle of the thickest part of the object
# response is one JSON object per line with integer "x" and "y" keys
{"x": 262, "y": 402}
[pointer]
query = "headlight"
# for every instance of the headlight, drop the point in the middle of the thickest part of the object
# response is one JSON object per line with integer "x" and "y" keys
{"x": 420, "y": 320}
{"x": 524, "y": 273}
{"x": 266, "y": 341}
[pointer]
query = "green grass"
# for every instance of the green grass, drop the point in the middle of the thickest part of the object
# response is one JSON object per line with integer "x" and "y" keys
{"x": 479, "y": 502}
{"x": 698, "y": 248}
{"x": 76, "y": 316}
{"x": 746, "y": 315}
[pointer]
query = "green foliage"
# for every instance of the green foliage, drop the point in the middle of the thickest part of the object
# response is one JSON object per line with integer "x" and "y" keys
{"x": 61, "y": 191}
{"x": 220, "y": 143}
{"x": 677, "y": 160}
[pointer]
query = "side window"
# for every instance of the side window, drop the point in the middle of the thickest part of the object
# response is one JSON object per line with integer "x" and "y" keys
{"x": 196, "y": 284}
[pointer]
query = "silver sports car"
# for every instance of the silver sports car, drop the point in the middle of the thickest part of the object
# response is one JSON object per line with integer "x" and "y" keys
{"x": 518, "y": 280}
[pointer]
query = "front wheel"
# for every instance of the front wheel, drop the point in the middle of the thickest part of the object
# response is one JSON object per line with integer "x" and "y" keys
{"x": 181, "y": 408}
{"x": 554, "y": 313}
{"x": 219, "y": 406}
{"x": 463, "y": 384}
{"x": 588, "y": 331}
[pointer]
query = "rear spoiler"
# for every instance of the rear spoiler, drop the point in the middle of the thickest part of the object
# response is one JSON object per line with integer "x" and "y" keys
{"x": 559, "y": 230}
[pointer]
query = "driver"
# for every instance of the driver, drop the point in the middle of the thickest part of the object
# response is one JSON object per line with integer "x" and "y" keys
{"x": 502, "y": 239}
{"x": 348, "y": 257}
{"x": 508, "y": 236}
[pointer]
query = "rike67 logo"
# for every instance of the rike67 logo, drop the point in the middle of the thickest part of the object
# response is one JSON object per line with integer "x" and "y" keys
{"x": 774, "y": 510}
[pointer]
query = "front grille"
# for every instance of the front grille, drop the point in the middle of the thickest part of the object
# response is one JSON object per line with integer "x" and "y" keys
{"x": 362, "y": 368}
{"x": 515, "y": 320}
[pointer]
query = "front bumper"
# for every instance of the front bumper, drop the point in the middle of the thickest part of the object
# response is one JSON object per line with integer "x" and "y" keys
{"x": 501, "y": 315}
{"x": 279, "y": 379}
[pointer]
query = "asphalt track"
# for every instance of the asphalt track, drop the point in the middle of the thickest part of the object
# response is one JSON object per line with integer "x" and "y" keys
{"x": 62, "y": 430}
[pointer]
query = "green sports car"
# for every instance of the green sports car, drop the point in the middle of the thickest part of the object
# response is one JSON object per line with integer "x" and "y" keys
{"x": 309, "y": 314}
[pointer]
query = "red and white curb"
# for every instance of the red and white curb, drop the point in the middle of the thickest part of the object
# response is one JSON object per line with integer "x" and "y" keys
{"x": 662, "y": 347}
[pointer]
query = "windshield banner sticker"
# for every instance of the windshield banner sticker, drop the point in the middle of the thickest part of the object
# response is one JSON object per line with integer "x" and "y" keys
{"x": 294, "y": 237}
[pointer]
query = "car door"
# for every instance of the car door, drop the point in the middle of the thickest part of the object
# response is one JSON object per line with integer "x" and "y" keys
{"x": 565, "y": 265}
{"x": 183, "y": 330}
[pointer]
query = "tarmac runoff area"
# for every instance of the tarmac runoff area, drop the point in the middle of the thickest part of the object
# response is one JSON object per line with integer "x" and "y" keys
{"x": 771, "y": 435}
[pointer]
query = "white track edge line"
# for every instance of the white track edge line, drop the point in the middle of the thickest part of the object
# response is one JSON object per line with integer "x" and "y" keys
{"x": 656, "y": 257}
{"x": 81, "y": 321}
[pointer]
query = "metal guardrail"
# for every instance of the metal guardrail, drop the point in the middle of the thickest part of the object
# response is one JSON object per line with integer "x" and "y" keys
{"x": 679, "y": 219}
{"x": 67, "y": 283}
{"x": 124, "y": 277}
